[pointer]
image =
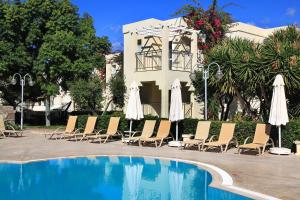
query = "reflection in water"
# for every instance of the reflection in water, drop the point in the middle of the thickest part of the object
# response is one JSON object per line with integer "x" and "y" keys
{"x": 107, "y": 178}
{"x": 133, "y": 174}
{"x": 176, "y": 183}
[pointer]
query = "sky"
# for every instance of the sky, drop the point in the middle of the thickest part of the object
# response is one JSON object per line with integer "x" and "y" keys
{"x": 110, "y": 15}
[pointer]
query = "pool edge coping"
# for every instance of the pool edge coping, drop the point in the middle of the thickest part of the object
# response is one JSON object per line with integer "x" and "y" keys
{"x": 221, "y": 179}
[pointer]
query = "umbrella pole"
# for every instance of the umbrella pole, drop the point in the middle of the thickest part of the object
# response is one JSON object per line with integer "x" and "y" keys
{"x": 176, "y": 130}
{"x": 130, "y": 128}
{"x": 279, "y": 136}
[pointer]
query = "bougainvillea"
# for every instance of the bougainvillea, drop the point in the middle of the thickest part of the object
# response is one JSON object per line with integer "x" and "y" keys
{"x": 212, "y": 23}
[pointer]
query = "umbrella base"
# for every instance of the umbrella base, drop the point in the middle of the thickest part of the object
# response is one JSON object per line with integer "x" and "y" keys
{"x": 175, "y": 144}
{"x": 280, "y": 151}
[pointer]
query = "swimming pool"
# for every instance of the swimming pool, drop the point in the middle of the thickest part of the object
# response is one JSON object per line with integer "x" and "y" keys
{"x": 103, "y": 178}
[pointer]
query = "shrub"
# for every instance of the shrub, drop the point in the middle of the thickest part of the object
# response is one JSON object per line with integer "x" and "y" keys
{"x": 291, "y": 133}
{"x": 243, "y": 129}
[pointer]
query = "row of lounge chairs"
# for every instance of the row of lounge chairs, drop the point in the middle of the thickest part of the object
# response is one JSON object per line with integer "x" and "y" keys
{"x": 89, "y": 132}
{"x": 4, "y": 132}
{"x": 226, "y": 136}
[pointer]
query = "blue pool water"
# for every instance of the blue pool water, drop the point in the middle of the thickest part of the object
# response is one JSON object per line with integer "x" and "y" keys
{"x": 108, "y": 178}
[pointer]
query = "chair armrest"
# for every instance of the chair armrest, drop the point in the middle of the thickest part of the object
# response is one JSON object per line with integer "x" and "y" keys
{"x": 272, "y": 142}
{"x": 234, "y": 140}
{"x": 58, "y": 129}
{"x": 78, "y": 130}
{"x": 101, "y": 130}
{"x": 11, "y": 127}
{"x": 211, "y": 138}
{"x": 246, "y": 140}
{"x": 120, "y": 133}
{"x": 135, "y": 132}
{"x": 172, "y": 136}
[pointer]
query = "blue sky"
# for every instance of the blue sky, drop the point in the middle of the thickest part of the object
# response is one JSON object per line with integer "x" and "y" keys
{"x": 110, "y": 15}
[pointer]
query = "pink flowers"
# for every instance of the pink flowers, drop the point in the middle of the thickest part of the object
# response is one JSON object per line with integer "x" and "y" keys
{"x": 209, "y": 23}
{"x": 217, "y": 22}
{"x": 200, "y": 22}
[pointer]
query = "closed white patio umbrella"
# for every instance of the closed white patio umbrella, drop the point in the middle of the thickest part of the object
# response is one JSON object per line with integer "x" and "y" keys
{"x": 278, "y": 112}
{"x": 176, "y": 110}
{"x": 176, "y": 185}
{"x": 134, "y": 108}
{"x": 133, "y": 173}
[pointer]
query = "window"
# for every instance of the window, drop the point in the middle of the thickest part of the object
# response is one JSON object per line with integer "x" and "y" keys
{"x": 139, "y": 45}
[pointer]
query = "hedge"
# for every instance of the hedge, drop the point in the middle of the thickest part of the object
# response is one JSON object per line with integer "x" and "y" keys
{"x": 243, "y": 129}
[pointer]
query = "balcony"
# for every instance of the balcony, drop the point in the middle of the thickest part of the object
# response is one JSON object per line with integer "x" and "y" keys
{"x": 148, "y": 61}
{"x": 152, "y": 61}
{"x": 181, "y": 61}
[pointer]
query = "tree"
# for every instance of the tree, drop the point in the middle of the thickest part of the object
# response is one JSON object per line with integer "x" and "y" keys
{"x": 280, "y": 54}
{"x": 117, "y": 85}
{"x": 212, "y": 23}
{"x": 238, "y": 59}
{"x": 249, "y": 70}
{"x": 52, "y": 42}
{"x": 87, "y": 94}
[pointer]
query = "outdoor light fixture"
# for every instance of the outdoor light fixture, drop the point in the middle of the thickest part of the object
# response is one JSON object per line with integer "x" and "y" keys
{"x": 22, "y": 83}
{"x": 219, "y": 74}
{"x": 205, "y": 77}
{"x": 13, "y": 81}
{"x": 193, "y": 76}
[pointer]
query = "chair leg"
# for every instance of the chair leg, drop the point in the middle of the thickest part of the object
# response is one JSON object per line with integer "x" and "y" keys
{"x": 106, "y": 139}
{"x": 221, "y": 148}
{"x": 155, "y": 143}
{"x": 259, "y": 151}
{"x": 200, "y": 146}
{"x": 140, "y": 143}
{"x": 82, "y": 138}
{"x": 239, "y": 150}
{"x": 226, "y": 147}
{"x": 161, "y": 142}
{"x": 263, "y": 150}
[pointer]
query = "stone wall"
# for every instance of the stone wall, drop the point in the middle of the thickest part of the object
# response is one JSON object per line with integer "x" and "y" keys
{"x": 8, "y": 112}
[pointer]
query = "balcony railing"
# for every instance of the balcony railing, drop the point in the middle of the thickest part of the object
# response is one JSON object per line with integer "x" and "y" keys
{"x": 181, "y": 60}
{"x": 148, "y": 61}
{"x": 187, "y": 109}
{"x": 152, "y": 60}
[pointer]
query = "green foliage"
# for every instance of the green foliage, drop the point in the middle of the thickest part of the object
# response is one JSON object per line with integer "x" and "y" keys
{"x": 87, "y": 94}
{"x": 49, "y": 40}
{"x": 291, "y": 133}
{"x": 212, "y": 23}
{"x": 243, "y": 129}
{"x": 280, "y": 54}
{"x": 249, "y": 70}
{"x": 118, "y": 89}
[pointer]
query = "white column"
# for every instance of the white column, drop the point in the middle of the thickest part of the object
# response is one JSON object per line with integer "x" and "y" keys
{"x": 194, "y": 48}
{"x": 197, "y": 107}
{"x": 164, "y": 83}
{"x": 130, "y": 48}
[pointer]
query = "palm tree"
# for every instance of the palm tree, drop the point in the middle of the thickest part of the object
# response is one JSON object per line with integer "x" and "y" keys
{"x": 238, "y": 58}
{"x": 280, "y": 54}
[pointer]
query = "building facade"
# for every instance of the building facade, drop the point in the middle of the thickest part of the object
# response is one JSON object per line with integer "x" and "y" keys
{"x": 157, "y": 52}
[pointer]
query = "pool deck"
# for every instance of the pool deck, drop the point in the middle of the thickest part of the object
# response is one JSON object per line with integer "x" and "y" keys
{"x": 277, "y": 176}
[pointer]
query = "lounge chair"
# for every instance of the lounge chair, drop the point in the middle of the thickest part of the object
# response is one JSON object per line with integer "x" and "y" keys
{"x": 225, "y": 138}
{"x": 146, "y": 133}
{"x": 162, "y": 134}
{"x": 11, "y": 131}
{"x": 260, "y": 140}
{"x": 112, "y": 131}
{"x": 89, "y": 130}
{"x": 201, "y": 135}
{"x": 69, "y": 129}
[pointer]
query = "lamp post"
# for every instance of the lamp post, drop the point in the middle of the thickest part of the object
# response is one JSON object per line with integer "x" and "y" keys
{"x": 205, "y": 77}
{"x": 22, "y": 83}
